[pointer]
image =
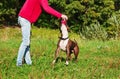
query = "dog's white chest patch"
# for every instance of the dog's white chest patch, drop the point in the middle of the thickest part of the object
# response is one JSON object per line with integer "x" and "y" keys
{"x": 64, "y": 31}
{"x": 63, "y": 44}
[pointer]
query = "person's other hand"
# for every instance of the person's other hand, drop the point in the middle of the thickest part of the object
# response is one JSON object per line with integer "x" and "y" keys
{"x": 64, "y": 17}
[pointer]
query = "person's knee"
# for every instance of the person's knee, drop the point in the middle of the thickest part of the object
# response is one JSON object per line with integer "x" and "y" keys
{"x": 26, "y": 42}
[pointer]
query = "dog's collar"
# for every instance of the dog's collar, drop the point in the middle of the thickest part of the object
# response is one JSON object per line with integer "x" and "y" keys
{"x": 63, "y": 38}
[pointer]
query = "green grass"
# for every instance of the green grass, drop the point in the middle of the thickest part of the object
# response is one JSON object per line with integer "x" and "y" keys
{"x": 97, "y": 59}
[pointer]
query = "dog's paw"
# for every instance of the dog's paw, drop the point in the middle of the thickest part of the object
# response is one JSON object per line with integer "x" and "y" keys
{"x": 67, "y": 63}
{"x": 53, "y": 61}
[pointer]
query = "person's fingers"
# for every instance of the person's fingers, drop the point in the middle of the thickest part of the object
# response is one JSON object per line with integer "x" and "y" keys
{"x": 64, "y": 17}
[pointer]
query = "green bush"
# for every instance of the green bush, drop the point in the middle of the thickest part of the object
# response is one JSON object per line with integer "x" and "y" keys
{"x": 8, "y": 11}
{"x": 94, "y": 31}
{"x": 82, "y": 14}
{"x": 113, "y": 29}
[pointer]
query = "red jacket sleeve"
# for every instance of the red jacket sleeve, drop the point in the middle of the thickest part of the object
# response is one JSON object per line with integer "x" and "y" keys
{"x": 50, "y": 10}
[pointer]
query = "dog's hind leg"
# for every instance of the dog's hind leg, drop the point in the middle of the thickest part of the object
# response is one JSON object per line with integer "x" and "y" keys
{"x": 56, "y": 54}
{"x": 76, "y": 51}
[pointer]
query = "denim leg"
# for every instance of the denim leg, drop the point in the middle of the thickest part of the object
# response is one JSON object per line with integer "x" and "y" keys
{"x": 25, "y": 28}
{"x": 27, "y": 56}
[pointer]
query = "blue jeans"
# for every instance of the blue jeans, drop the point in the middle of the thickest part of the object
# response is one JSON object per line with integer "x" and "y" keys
{"x": 24, "y": 50}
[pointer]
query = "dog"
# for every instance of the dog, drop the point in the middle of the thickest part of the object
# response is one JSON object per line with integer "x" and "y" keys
{"x": 66, "y": 44}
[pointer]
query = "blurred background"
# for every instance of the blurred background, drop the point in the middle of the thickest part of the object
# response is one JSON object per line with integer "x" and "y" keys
{"x": 91, "y": 19}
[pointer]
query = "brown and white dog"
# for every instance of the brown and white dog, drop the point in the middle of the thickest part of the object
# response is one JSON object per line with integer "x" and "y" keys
{"x": 66, "y": 44}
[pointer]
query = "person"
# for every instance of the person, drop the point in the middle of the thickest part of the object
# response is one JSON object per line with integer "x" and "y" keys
{"x": 29, "y": 14}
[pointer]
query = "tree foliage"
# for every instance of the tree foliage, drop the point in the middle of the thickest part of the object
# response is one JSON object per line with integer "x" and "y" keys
{"x": 85, "y": 16}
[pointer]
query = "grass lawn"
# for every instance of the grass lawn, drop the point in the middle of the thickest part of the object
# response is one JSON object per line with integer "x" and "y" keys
{"x": 96, "y": 60}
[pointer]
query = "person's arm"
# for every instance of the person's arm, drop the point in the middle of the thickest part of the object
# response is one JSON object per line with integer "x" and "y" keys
{"x": 50, "y": 10}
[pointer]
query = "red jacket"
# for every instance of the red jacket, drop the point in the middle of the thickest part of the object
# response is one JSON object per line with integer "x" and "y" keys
{"x": 32, "y": 9}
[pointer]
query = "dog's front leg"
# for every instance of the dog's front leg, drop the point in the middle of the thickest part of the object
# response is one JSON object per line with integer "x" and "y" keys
{"x": 68, "y": 54}
{"x": 56, "y": 54}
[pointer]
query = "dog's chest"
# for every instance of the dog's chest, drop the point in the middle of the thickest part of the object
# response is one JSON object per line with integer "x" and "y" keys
{"x": 64, "y": 31}
{"x": 63, "y": 44}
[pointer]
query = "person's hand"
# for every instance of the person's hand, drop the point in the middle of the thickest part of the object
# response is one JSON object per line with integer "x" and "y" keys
{"x": 64, "y": 17}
